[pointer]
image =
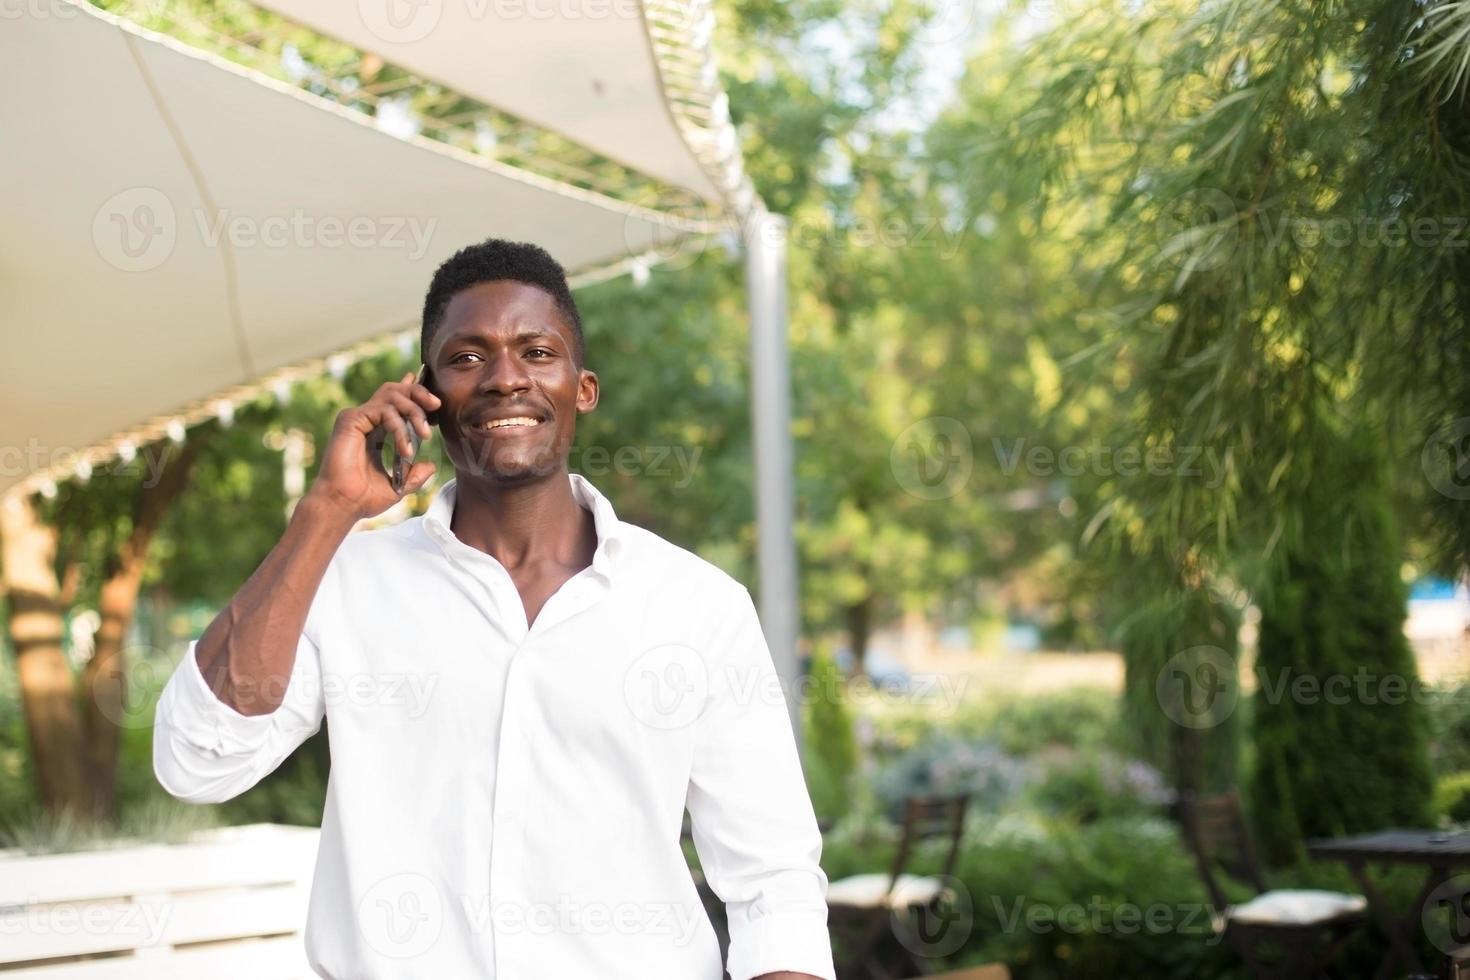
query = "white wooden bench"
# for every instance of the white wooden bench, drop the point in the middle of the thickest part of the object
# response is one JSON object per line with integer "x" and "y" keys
{"x": 230, "y": 903}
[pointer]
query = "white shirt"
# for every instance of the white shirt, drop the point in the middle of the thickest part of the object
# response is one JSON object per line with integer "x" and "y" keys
{"x": 507, "y": 802}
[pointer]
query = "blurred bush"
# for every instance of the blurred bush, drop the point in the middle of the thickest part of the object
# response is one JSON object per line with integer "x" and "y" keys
{"x": 830, "y": 756}
{"x": 1452, "y": 797}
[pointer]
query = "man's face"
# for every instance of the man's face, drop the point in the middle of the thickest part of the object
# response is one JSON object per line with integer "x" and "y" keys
{"x": 502, "y": 363}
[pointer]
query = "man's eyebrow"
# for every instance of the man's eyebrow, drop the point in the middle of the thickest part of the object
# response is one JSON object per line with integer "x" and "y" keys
{"x": 475, "y": 340}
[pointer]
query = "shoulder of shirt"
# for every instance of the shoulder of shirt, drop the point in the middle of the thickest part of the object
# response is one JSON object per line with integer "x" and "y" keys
{"x": 375, "y": 543}
{"x": 644, "y": 550}
{"x": 653, "y": 552}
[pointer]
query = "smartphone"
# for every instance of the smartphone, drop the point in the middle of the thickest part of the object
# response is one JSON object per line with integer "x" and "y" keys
{"x": 398, "y": 470}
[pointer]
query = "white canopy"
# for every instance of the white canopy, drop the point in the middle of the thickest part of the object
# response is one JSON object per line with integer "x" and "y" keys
{"x": 177, "y": 228}
{"x": 598, "y": 71}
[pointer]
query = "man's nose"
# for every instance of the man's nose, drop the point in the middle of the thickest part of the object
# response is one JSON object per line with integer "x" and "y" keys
{"x": 504, "y": 374}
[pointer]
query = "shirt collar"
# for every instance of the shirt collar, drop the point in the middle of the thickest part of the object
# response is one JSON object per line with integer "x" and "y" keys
{"x": 612, "y": 536}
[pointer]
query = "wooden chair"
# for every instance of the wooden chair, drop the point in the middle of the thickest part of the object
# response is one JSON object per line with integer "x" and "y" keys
{"x": 1280, "y": 933}
{"x": 870, "y": 911}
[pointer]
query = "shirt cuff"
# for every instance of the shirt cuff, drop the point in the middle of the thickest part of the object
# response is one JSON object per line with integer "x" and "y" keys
{"x": 795, "y": 940}
{"x": 191, "y": 710}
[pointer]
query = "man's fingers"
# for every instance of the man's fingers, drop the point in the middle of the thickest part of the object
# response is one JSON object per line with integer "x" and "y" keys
{"x": 387, "y": 416}
{"x": 418, "y": 475}
{"x": 410, "y": 409}
{"x": 424, "y": 397}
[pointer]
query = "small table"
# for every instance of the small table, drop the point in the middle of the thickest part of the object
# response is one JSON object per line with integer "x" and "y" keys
{"x": 1437, "y": 851}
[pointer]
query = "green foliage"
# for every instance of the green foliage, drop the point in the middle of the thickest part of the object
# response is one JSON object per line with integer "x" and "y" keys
{"x": 1054, "y": 899}
{"x": 1452, "y": 797}
{"x": 1177, "y": 638}
{"x": 830, "y": 749}
{"x": 1339, "y": 728}
{"x": 1449, "y": 723}
{"x": 1100, "y": 785}
{"x": 1071, "y": 718}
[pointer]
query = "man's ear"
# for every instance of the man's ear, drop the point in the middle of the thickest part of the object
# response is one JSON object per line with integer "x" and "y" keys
{"x": 588, "y": 392}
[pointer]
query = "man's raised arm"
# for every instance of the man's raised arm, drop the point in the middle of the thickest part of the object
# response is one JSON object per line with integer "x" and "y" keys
{"x": 245, "y": 694}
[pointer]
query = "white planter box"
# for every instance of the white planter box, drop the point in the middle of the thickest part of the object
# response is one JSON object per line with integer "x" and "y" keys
{"x": 230, "y": 903}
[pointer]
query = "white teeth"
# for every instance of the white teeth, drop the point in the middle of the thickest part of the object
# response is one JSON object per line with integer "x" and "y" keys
{"x": 502, "y": 423}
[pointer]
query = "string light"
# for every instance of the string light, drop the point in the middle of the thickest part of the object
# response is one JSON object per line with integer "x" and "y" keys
{"x": 281, "y": 388}
{"x": 224, "y": 410}
{"x": 127, "y": 452}
{"x": 640, "y": 273}
{"x": 175, "y": 429}
{"x": 337, "y": 366}
{"x": 83, "y": 470}
{"x": 48, "y": 488}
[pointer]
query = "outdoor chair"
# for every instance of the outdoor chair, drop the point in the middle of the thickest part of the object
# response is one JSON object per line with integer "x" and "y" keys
{"x": 870, "y": 911}
{"x": 1280, "y": 933}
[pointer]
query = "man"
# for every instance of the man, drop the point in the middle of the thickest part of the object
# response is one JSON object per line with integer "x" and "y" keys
{"x": 524, "y": 693}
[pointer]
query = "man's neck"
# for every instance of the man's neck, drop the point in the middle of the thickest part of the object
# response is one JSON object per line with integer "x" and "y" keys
{"x": 526, "y": 525}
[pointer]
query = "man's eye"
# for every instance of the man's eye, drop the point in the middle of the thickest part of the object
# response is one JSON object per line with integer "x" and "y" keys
{"x": 456, "y": 358}
{"x": 539, "y": 350}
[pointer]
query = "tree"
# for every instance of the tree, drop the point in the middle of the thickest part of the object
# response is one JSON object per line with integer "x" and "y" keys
{"x": 1261, "y": 200}
{"x": 1346, "y": 752}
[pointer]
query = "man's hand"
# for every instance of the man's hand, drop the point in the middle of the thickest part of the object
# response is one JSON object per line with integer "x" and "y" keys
{"x": 352, "y": 479}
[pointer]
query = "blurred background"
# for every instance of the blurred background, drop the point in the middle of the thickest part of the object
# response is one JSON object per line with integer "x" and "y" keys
{"x": 1129, "y": 353}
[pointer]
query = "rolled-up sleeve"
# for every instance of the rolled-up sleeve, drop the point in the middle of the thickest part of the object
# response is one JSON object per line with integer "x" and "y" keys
{"x": 750, "y": 812}
{"x": 204, "y": 751}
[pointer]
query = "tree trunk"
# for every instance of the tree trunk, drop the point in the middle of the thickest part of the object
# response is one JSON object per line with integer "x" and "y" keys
{"x": 105, "y": 677}
{"x": 859, "y": 626}
{"x": 47, "y": 687}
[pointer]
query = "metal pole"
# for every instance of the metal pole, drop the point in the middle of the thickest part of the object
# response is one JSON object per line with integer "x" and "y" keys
{"x": 770, "y": 414}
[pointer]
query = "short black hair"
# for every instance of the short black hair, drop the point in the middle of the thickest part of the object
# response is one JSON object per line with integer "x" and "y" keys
{"x": 492, "y": 260}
